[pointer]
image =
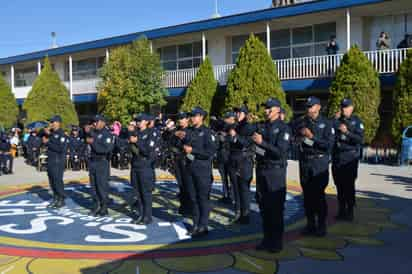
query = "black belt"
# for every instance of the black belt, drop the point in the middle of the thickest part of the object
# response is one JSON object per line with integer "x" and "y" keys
{"x": 267, "y": 165}
{"x": 98, "y": 158}
{"x": 314, "y": 156}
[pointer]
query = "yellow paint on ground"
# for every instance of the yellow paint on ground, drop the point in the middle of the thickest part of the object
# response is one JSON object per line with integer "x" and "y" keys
{"x": 197, "y": 263}
{"x": 254, "y": 265}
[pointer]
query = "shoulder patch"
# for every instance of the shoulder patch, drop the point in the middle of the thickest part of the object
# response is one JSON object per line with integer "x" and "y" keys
{"x": 361, "y": 126}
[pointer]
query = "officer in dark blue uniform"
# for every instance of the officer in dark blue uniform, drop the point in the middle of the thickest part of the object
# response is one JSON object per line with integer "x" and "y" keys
{"x": 6, "y": 159}
{"x": 177, "y": 142}
{"x": 142, "y": 145}
{"x": 76, "y": 148}
{"x": 33, "y": 148}
{"x": 56, "y": 142}
{"x": 200, "y": 150}
{"x": 101, "y": 145}
{"x": 272, "y": 145}
{"x": 241, "y": 164}
{"x": 315, "y": 136}
{"x": 345, "y": 158}
{"x": 223, "y": 156}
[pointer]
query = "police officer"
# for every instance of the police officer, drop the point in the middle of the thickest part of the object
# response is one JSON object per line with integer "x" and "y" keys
{"x": 241, "y": 164}
{"x": 223, "y": 155}
{"x": 33, "y": 147}
{"x": 142, "y": 147}
{"x": 101, "y": 145}
{"x": 5, "y": 155}
{"x": 199, "y": 151}
{"x": 345, "y": 159}
{"x": 56, "y": 142}
{"x": 76, "y": 147}
{"x": 177, "y": 142}
{"x": 315, "y": 136}
{"x": 272, "y": 144}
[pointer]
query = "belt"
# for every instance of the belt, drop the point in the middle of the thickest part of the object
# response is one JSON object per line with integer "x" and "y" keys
{"x": 266, "y": 165}
{"x": 314, "y": 156}
{"x": 98, "y": 158}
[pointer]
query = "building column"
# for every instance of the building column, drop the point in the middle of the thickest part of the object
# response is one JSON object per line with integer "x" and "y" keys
{"x": 348, "y": 42}
{"x": 12, "y": 78}
{"x": 71, "y": 77}
{"x": 151, "y": 46}
{"x": 107, "y": 55}
{"x": 268, "y": 37}
{"x": 38, "y": 68}
{"x": 203, "y": 46}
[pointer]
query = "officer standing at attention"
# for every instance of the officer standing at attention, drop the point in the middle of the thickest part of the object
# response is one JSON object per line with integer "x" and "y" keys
{"x": 315, "y": 136}
{"x": 272, "y": 145}
{"x": 200, "y": 150}
{"x": 101, "y": 145}
{"x": 345, "y": 158}
{"x": 177, "y": 142}
{"x": 241, "y": 164}
{"x": 142, "y": 146}
{"x": 56, "y": 142}
{"x": 76, "y": 146}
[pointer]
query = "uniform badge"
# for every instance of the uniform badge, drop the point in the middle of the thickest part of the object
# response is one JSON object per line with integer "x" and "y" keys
{"x": 322, "y": 125}
{"x": 62, "y": 139}
{"x": 151, "y": 144}
{"x": 144, "y": 137}
{"x": 333, "y": 131}
{"x": 108, "y": 140}
{"x": 353, "y": 123}
{"x": 361, "y": 126}
{"x": 213, "y": 138}
{"x": 99, "y": 136}
{"x": 56, "y": 136}
{"x": 287, "y": 136}
{"x": 201, "y": 134}
{"x": 276, "y": 131}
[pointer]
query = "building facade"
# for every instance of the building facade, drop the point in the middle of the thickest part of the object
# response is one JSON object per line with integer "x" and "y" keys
{"x": 296, "y": 35}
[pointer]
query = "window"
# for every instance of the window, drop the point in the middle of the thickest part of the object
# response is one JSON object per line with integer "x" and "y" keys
{"x": 183, "y": 56}
{"x": 86, "y": 68}
{"x": 25, "y": 77}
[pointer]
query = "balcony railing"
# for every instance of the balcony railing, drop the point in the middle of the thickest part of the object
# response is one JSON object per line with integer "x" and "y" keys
{"x": 384, "y": 61}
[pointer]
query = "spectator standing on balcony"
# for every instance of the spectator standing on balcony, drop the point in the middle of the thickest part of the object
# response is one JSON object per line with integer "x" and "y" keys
{"x": 332, "y": 47}
{"x": 383, "y": 42}
{"x": 406, "y": 42}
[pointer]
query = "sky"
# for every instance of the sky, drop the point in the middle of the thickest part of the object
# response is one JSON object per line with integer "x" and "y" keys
{"x": 26, "y": 25}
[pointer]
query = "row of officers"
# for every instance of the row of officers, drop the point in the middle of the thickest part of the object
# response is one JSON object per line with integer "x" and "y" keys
{"x": 240, "y": 146}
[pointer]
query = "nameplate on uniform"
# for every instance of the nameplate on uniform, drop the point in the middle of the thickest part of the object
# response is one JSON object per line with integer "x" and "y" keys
{"x": 190, "y": 157}
{"x": 260, "y": 151}
{"x": 308, "y": 141}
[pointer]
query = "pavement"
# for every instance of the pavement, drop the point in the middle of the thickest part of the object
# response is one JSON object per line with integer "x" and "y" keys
{"x": 45, "y": 242}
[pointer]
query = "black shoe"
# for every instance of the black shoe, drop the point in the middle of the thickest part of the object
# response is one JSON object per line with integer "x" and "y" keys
{"x": 52, "y": 203}
{"x": 138, "y": 220}
{"x": 274, "y": 250}
{"x": 201, "y": 232}
{"x": 244, "y": 220}
{"x": 321, "y": 231}
{"x": 193, "y": 230}
{"x": 103, "y": 212}
{"x": 309, "y": 230}
{"x": 350, "y": 215}
{"x": 236, "y": 219}
{"x": 59, "y": 204}
{"x": 261, "y": 247}
{"x": 95, "y": 212}
{"x": 145, "y": 221}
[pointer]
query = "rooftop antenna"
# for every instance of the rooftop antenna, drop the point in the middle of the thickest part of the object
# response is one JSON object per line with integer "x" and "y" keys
{"x": 54, "y": 40}
{"x": 216, "y": 14}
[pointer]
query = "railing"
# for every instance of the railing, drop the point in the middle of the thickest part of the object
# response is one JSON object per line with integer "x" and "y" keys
{"x": 384, "y": 61}
{"x": 84, "y": 86}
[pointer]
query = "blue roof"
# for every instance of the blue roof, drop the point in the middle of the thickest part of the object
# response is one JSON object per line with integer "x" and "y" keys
{"x": 227, "y": 21}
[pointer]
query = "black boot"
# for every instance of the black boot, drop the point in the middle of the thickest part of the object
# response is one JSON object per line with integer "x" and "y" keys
{"x": 321, "y": 230}
{"x": 59, "y": 203}
{"x": 341, "y": 213}
{"x": 103, "y": 211}
{"x": 310, "y": 228}
{"x": 201, "y": 232}
{"x": 237, "y": 217}
{"x": 53, "y": 202}
{"x": 193, "y": 230}
{"x": 138, "y": 220}
{"x": 350, "y": 215}
{"x": 95, "y": 212}
{"x": 244, "y": 220}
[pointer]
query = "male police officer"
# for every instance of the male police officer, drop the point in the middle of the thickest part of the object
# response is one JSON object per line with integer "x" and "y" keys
{"x": 200, "y": 151}
{"x": 5, "y": 154}
{"x": 142, "y": 147}
{"x": 76, "y": 147}
{"x": 346, "y": 152}
{"x": 177, "y": 142}
{"x": 101, "y": 145}
{"x": 272, "y": 144}
{"x": 316, "y": 137}
{"x": 56, "y": 142}
{"x": 241, "y": 164}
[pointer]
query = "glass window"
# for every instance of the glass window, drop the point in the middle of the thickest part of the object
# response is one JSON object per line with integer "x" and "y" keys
{"x": 320, "y": 49}
{"x": 171, "y": 65}
{"x": 238, "y": 42}
{"x": 186, "y": 51}
{"x": 197, "y": 49}
{"x": 25, "y": 77}
{"x": 280, "y": 38}
{"x": 280, "y": 53}
{"x": 197, "y": 62}
{"x": 302, "y": 35}
{"x": 234, "y": 57}
{"x": 303, "y": 51}
{"x": 169, "y": 53}
{"x": 186, "y": 64}
{"x": 323, "y": 32}
{"x": 261, "y": 37}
